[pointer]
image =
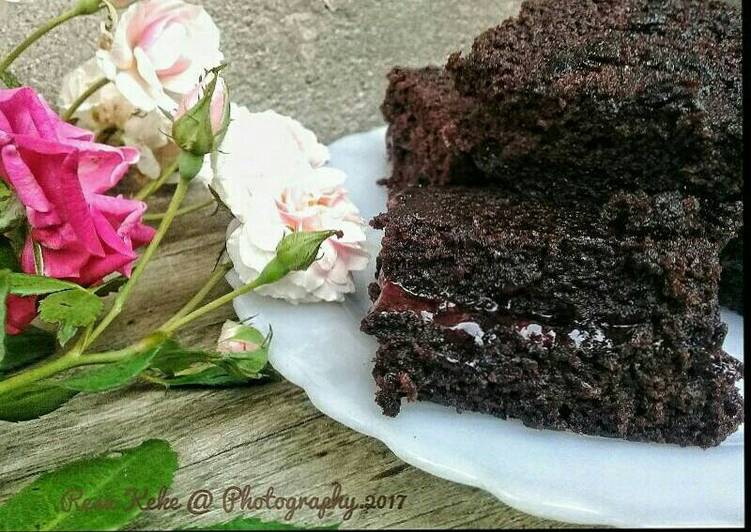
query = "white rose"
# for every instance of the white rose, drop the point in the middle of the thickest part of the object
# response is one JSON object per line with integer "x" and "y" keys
{"x": 148, "y": 133}
{"x": 252, "y": 245}
{"x": 105, "y": 109}
{"x": 261, "y": 153}
{"x": 160, "y": 50}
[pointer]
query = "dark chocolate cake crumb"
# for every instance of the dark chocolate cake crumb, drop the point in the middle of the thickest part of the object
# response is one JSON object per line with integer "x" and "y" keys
{"x": 551, "y": 290}
{"x": 601, "y": 321}
{"x": 601, "y": 96}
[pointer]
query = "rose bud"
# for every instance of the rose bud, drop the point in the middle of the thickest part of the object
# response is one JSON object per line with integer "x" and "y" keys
{"x": 238, "y": 338}
{"x": 295, "y": 252}
{"x": 200, "y": 122}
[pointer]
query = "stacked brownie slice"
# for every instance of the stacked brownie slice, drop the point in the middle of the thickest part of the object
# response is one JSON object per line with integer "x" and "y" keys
{"x": 560, "y": 199}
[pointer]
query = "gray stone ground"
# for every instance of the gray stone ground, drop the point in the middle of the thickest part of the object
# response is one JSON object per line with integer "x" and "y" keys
{"x": 322, "y": 61}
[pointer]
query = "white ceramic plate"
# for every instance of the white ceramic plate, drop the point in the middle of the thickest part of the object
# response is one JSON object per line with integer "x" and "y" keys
{"x": 558, "y": 475}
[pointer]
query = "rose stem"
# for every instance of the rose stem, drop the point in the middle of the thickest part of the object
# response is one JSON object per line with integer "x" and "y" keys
{"x": 72, "y": 359}
{"x": 219, "y": 273}
{"x": 185, "y": 210}
{"x": 37, "y": 34}
{"x": 156, "y": 184}
{"x": 174, "y": 324}
{"x": 88, "y": 93}
{"x": 122, "y": 295}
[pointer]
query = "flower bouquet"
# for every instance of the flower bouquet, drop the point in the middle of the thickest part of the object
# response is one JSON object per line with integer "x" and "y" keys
{"x": 75, "y": 239}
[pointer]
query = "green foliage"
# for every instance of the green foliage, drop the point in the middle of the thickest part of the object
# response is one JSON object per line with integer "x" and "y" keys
{"x": 55, "y": 501}
{"x": 109, "y": 286}
{"x": 11, "y": 211}
{"x": 23, "y": 349}
{"x": 105, "y": 377}
{"x": 4, "y": 291}
{"x": 70, "y": 309}
{"x": 31, "y": 402}
{"x": 8, "y": 259}
{"x": 23, "y": 284}
{"x": 175, "y": 365}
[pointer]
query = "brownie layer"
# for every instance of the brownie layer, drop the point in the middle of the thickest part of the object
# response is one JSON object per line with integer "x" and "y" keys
{"x": 731, "y": 281}
{"x": 604, "y": 96}
{"x": 604, "y": 322}
{"x": 422, "y": 109}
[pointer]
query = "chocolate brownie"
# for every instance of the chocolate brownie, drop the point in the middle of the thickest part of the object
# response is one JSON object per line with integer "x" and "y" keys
{"x": 608, "y": 95}
{"x": 577, "y": 100}
{"x": 422, "y": 109}
{"x": 731, "y": 281}
{"x": 599, "y": 321}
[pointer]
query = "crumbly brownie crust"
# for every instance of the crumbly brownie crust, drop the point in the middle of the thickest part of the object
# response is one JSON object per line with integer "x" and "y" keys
{"x": 731, "y": 281}
{"x": 604, "y": 322}
{"x": 601, "y": 96}
{"x": 422, "y": 108}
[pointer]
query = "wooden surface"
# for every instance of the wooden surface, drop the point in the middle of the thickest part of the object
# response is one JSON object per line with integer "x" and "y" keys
{"x": 264, "y": 436}
{"x": 323, "y": 62}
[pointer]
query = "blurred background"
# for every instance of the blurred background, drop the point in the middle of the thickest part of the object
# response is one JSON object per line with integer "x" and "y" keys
{"x": 321, "y": 61}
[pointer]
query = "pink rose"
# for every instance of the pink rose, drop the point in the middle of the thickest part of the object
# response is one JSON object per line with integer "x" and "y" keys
{"x": 60, "y": 176}
{"x": 21, "y": 312}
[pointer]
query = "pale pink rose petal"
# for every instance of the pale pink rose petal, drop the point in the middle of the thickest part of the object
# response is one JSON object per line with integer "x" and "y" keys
{"x": 163, "y": 46}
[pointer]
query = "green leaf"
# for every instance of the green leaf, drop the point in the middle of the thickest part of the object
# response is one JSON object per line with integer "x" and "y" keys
{"x": 11, "y": 244}
{"x": 110, "y": 285}
{"x": 22, "y": 349}
{"x": 8, "y": 259}
{"x": 31, "y": 402}
{"x": 253, "y": 523}
{"x": 105, "y": 377}
{"x": 173, "y": 358}
{"x": 77, "y": 307}
{"x": 24, "y": 284}
{"x": 4, "y": 289}
{"x": 210, "y": 376}
{"x": 110, "y": 479}
{"x": 65, "y": 332}
{"x": 70, "y": 309}
{"x": 9, "y": 80}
